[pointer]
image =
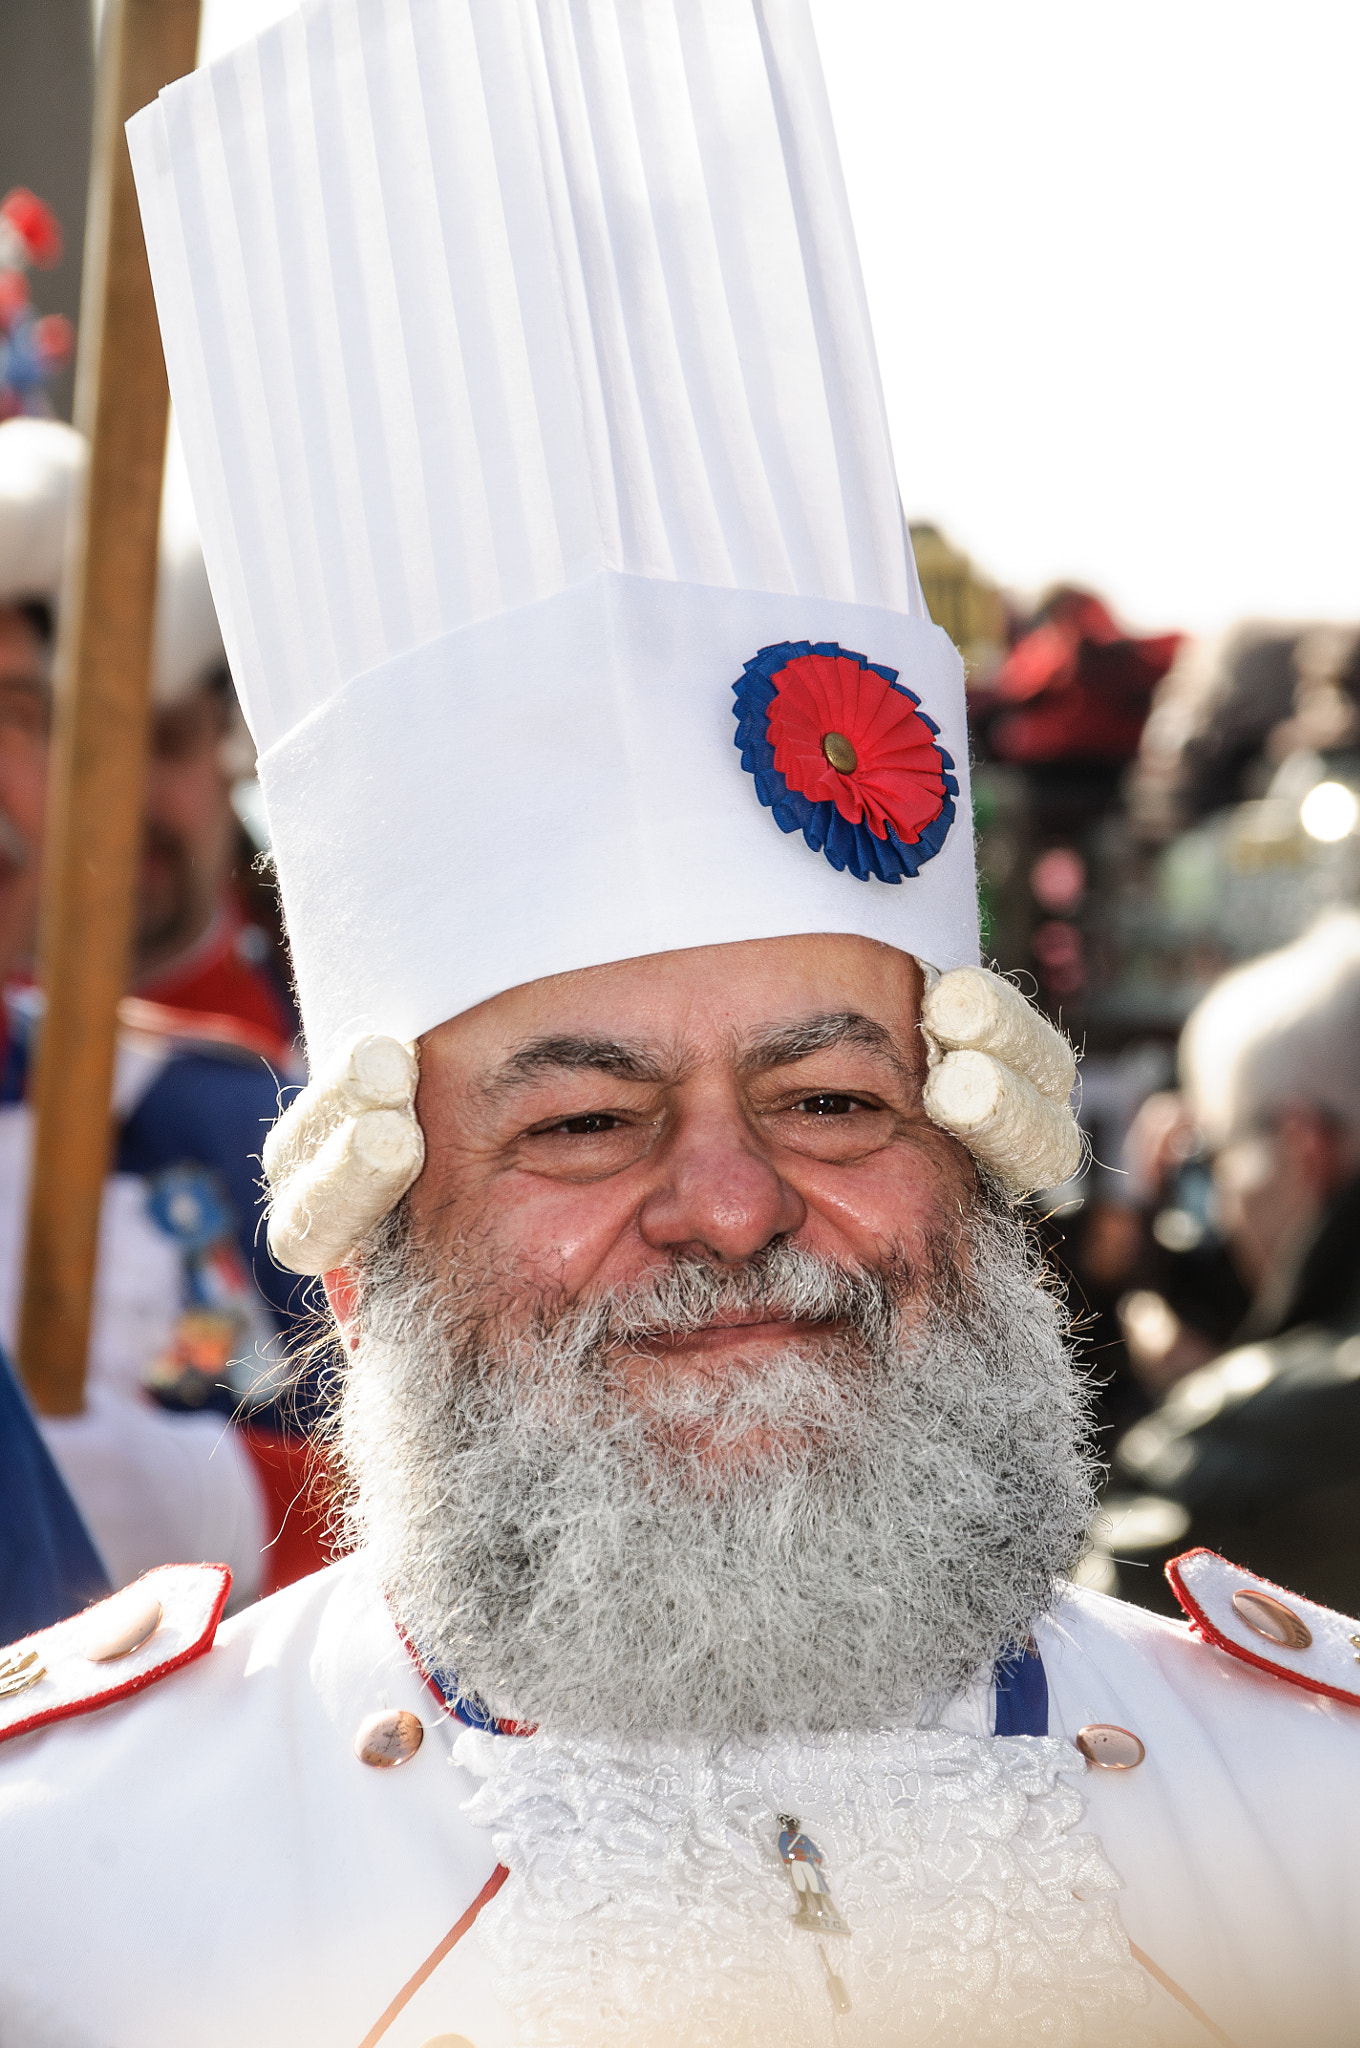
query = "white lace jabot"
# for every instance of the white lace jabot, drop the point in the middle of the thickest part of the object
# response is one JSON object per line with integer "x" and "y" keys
{"x": 647, "y": 1902}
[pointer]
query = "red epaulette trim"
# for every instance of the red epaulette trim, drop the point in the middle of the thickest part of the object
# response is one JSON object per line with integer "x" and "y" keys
{"x": 1234, "y": 1609}
{"x": 51, "y": 1676}
{"x": 200, "y": 1027}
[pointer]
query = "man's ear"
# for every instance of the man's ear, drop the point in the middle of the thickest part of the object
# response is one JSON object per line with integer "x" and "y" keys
{"x": 343, "y": 1295}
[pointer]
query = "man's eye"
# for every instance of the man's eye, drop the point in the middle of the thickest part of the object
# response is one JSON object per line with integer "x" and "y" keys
{"x": 585, "y": 1126}
{"x": 830, "y": 1105}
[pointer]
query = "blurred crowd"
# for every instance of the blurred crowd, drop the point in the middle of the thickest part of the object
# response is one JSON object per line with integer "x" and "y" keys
{"x": 1169, "y": 859}
{"x": 193, "y": 1439}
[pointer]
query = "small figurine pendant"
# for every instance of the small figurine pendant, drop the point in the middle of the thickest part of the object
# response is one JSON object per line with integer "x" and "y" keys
{"x": 816, "y": 1912}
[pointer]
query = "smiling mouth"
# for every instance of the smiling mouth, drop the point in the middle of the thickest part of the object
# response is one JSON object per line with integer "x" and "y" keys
{"x": 737, "y": 1333}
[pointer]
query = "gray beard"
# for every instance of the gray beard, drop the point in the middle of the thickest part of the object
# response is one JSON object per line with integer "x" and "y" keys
{"x": 825, "y": 1539}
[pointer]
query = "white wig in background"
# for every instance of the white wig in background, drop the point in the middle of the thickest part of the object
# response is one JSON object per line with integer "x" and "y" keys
{"x": 1285, "y": 1029}
{"x": 42, "y": 473}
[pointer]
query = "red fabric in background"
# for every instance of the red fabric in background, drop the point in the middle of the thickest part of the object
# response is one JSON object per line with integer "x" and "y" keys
{"x": 1075, "y": 688}
{"x": 297, "y": 1490}
{"x": 216, "y": 978}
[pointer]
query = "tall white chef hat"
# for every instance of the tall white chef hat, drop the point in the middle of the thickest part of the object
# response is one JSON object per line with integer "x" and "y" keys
{"x": 42, "y": 469}
{"x": 527, "y": 388}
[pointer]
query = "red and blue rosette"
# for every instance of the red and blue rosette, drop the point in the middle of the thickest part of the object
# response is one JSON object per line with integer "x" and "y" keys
{"x": 842, "y": 752}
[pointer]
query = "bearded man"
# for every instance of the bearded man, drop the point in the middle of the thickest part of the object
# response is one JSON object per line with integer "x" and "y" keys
{"x": 705, "y": 1664}
{"x": 752, "y": 1414}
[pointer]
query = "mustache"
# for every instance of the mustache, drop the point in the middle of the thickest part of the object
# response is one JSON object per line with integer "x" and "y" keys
{"x": 454, "y": 1288}
{"x": 783, "y": 1283}
{"x": 475, "y": 1318}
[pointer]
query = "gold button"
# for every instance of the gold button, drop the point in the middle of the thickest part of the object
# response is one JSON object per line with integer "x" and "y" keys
{"x": 389, "y": 1738}
{"x": 1270, "y": 1618}
{"x": 1110, "y": 1748}
{"x": 122, "y": 1626}
{"x": 839, "y": 752}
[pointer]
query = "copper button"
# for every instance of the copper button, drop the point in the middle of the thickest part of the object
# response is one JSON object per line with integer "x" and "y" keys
{"x": 1270, "y": 1618}
{"x": 1110, "y": 1748}
{"x": 122, "y": 1626}
{"x": 389, "y": 1738}
{"x": 840, "y": 753}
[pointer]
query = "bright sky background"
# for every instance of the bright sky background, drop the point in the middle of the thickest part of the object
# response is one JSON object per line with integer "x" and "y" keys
{"x": 1112, "y": 255}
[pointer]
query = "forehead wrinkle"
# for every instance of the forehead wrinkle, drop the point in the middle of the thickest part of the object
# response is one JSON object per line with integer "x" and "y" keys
{"x": 782, "y": 1045}
{"x": 621, "y": 1059}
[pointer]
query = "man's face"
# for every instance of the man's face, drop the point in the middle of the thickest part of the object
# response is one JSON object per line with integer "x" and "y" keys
{"x": 585, "y": 1132}
{"x": 1273, "y": 1185}
{"x": 24, "y": 721}
{"x": 696, "y": 1384}
{"x": 189, "y": 829}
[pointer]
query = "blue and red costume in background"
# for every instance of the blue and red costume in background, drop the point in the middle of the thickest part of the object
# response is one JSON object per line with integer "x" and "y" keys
{"x": 207, "y": 1095}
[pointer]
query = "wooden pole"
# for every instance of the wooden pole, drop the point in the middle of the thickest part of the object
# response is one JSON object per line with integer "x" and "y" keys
{"x": 100, "y": 713}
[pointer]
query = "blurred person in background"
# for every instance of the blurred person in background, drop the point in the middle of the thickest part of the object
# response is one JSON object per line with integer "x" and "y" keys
{"x": 1241, "y": 808}
{"x": 1257, "y": 1452}
{"x": 1056, "y": 718}
{"x": 187, "y": 1315}
{"x": 207, "y": 936}
{"x": 1152, "y": 813}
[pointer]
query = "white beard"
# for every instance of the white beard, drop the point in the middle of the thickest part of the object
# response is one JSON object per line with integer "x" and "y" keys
{"x": 572, "y": 1556}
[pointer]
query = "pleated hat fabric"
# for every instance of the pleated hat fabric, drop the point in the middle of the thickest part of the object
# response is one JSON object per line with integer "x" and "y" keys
{"x": 528, "y": 395}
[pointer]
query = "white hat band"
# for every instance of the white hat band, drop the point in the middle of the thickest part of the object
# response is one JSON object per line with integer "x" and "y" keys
{"x": 561, "y": 820}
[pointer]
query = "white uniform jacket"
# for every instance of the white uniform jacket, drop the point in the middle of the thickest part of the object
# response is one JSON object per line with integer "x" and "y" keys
{"x": 203, "y": 1857}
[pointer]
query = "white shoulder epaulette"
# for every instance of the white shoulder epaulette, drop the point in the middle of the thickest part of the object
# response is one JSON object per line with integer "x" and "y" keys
{"x": 1266, "y": 1626}
{"x": 159, "y": 1623}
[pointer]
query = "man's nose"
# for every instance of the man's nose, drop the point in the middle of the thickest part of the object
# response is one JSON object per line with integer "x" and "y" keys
{"x": 718, "y": 1193}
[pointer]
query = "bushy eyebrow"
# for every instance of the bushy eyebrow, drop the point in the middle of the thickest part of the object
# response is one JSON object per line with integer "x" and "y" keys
{"x": 612, "y": 1056}
{"x": 783, "y": 1044}
{"x": 624, "y": 1060}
